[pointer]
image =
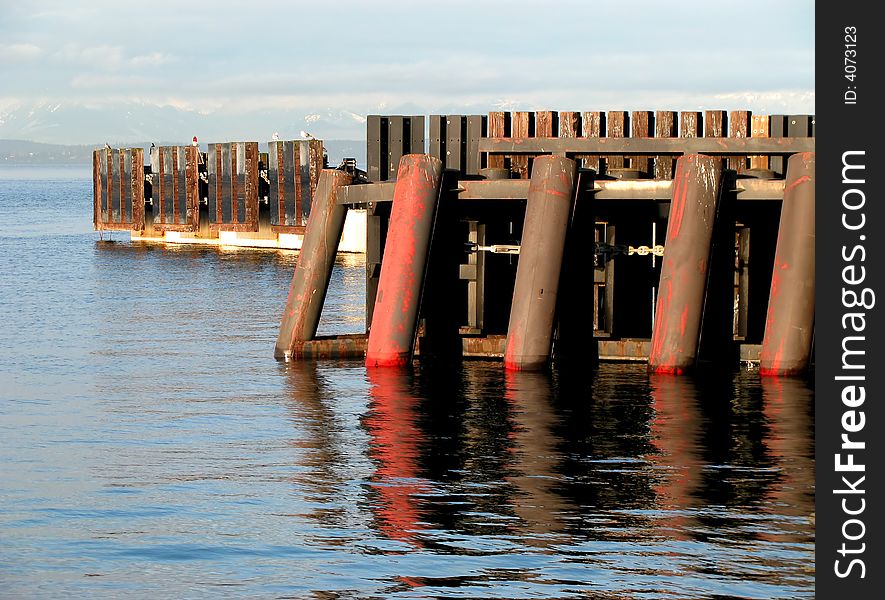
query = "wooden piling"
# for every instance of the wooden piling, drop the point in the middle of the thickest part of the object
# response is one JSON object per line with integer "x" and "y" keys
{"x": 314, "y": 265}
{"x": 395, "y": 316}
{"x": 789, "y": 324}
{"x": 550, "y": 196}
{"x": 685, "y": 266}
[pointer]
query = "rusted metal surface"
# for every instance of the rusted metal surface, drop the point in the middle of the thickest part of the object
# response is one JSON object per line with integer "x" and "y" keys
{"x": 618, "y": 127}
{"x": 497, "y": 128}
{"x": 313, "y": 267}
{"x": 395, "y": 316}
{"x": 738, "y": 127}
{"x": 519, "y": 128}
{"x": 323, "y": 347}
{"x": 175, "y": 188}
{"x": 118, "y": 189}
{"x": 592, "y": 126}
{"x": 641, "y": 123}
{"x": 233, "y": 186}
{"x": 569, "y": 124}
{"x": 550, "y": 197}
{"x": 517, "y": 189}
{"x": 624, "y": 349}
{"x": 292, "y": 170}
{"x": 675, "y": 146}
{"x": 789, "y": 325}
{"x": 759, "y": 129}
{"x": 666, "y": 126}
{"x": 684, "y": 271}
{"x": 691, "y": 124}
{"x": 491, "y": 346}
{"x": 715, "y": 123}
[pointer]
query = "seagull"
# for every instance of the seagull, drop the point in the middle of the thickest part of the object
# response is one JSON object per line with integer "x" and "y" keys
{"x": 307, "y": 136}
{"x": 275, "y": 137}
{"x": 107, "y": 146}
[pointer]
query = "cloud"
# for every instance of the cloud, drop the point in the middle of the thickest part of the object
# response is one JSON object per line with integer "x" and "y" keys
{"x": 15, "y": 53}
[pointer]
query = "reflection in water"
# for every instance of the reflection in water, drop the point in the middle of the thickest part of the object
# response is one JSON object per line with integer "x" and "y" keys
{"x": 649, "y": 480}
{"x": 154, "y": 445}
{"x": 395, "y": 447}
{"x": 535, "y": 458}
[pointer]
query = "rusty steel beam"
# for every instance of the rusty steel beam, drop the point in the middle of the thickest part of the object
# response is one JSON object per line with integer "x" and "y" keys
{"x": 337, "y": 346}
{"x": 395, "y": 317}
{"x": 314, "y": 266}
{"x": 685, "y": 267}
{"x": 550, "y": 197}
{"x": 774, "y": 145}
{"x": 517, "y": 189}
{"x": 789, "y": 324}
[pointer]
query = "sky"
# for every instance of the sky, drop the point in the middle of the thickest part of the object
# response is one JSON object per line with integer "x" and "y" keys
{"x": 71, "y": 70}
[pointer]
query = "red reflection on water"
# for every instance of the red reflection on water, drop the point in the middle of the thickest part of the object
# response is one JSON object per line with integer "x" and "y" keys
{"x": 675, "y": 432}
{"x": 396, "y": 440}
{"x": 534, "y": 455}
{"x": 788, "y": 415}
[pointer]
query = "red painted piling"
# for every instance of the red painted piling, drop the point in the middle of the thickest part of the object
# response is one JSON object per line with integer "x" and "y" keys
{"x": 789, "y": 324}
{"x": 530, "y": 331}
{"x": 680, "y": 305}
{"x": 395, "y": 317}
{"x": 314, "y": 265}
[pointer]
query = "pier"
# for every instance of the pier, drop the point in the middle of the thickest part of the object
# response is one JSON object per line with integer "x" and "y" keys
{"x": 677, "y": 239}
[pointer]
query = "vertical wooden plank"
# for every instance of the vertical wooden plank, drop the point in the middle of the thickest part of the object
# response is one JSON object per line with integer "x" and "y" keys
{"x": 760, "y": 128}
{"x": 137, "y": 158}
{"x": 192, "y": 183}
{"x": 178, "y": 211}
{"x": 127, "y": 186}
{"x": 275, "y": 183}
{"x": 234, "y": 178}
{"x": 453, "y": 159}
{"x": 115, "y": 197}
{"x": 315, "y": 165}
{"x": 97, "y": 189}
{"x": 373, "y": 148}
{"x": 593, "y": 125}
{"x": 472, "y": 163}
{"x": 545, "y": 124}
{"x": 496, "y": 130}
{"x": 228, "y": 191}
{"x": 519, "y": 128}
{"x": 691, "y": 124}
{"x": 394, "y": 145}
{"x": 220, "y": 184}
{"x": 641, "y": 123}
{"x": 618, "y": 127}
{"x": 715, "y": 123}
{"x": 108, "y": 184}
{"x": 665, "y": 127}
{"x": 250, "y": 190}
{"x": 569, "y": 124}
{"x": 166, "y": 199}
{"x": 738, "y": 127}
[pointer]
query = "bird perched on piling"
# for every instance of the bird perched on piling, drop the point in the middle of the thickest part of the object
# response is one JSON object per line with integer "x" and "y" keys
{"x": 307, "y": 136}
{"x": 107, "y": 146}
{"x": 275, "y": 137}
{"x": 194, "y": 141}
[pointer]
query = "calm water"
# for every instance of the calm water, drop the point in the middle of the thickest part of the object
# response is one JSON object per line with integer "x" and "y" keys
{"x": 151, "y": 447}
